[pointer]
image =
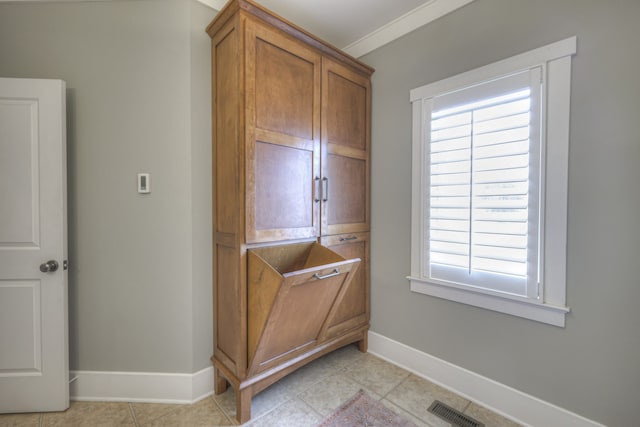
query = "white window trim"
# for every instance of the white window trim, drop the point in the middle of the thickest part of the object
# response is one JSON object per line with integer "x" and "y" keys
{"x": 555, "y": 60}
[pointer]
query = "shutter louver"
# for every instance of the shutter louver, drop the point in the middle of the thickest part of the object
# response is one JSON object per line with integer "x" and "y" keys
{"x": 479, "y": 184}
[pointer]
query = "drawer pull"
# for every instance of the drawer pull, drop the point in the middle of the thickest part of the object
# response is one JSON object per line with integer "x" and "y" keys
{"x": 319, "y": 277}
{"x": 344, "y": 239}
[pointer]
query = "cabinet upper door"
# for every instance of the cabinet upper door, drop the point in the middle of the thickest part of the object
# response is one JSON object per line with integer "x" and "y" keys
{"x": 346, "y": 110}
{"x": 283, "y": 136}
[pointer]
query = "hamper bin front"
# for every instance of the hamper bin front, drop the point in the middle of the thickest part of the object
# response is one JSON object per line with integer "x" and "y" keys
{"x": 292, "y": 290}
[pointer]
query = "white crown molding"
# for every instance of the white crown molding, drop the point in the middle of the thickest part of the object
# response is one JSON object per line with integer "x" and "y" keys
{"x": 422, "y": 15}
{"x": 214, "y": 4}
{"x": 502, "y": 399}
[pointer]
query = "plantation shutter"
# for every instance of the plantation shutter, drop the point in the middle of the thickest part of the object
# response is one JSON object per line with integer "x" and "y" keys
{"x": 484, "y": 169}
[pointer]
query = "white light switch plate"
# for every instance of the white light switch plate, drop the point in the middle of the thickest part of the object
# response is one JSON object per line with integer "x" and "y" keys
{"x": 144, "y": 183}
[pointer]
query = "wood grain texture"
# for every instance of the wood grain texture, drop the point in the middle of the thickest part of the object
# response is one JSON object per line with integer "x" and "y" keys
{"x": 227, "y": 180}
{"x": 347, "y": 190}
{"x": 284, "y": 91}
{"x": 345, "y": 149}
{"x": 353, "y": 310}
{"x": 227, "y": 301}
{"x": 291, "y": 119}
{"x": 263, "y": 282}
{"x": 298, "y": 33}
{"x": 284, "y": 187}
{"x": 293, "y": 297}
{"x": 283, "y": 136}
{"x": 226, "y": 129}
{"x": 345, "y": 109}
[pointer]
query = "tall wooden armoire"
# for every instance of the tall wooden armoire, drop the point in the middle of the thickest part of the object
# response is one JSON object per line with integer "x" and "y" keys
{"x": 291, "y": 166}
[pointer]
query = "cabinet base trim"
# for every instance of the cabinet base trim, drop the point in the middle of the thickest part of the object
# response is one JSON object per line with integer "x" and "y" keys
{"x": 248, "y": 387}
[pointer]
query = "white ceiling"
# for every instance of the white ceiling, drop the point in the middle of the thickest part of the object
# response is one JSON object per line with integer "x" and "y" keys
{"x": 357, "y": 26}
{"x": 341, "y": 22}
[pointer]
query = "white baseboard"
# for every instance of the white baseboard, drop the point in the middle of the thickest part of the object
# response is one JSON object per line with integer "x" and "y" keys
{"x": 141, "y": 386}
{"x": 509, "y": 402}
{"x": 190, "y": 388}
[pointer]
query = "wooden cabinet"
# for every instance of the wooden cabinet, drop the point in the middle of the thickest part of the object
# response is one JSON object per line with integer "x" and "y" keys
{"x": 291, "y": 131}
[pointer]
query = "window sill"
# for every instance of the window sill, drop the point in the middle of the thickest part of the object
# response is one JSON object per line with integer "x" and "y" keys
{"x": 544, "y": 313}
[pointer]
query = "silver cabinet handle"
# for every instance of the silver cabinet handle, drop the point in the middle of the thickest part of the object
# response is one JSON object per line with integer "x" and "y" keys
{"x": 334, "y": 273}
{"x": 325, "y": 191}
{"x": 317, "y": 189}
{"x": 345, "y": 239}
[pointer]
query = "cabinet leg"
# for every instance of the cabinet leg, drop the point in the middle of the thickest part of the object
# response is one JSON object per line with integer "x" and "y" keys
{"x": 220, "y": 383}
{"x": 243, "y": 405}
{"x": 363, "y": 344}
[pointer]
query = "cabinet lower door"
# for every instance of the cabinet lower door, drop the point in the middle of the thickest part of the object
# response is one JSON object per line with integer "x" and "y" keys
{"x": 353, "y": 311}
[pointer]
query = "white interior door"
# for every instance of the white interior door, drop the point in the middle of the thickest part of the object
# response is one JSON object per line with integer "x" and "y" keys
{"x": 34, "y": 356}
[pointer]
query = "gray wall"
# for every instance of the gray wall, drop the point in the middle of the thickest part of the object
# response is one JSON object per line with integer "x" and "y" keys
{"x": 592, "y": 366}
{"x": 137, "y": 74}
{"x": 201, "y": 190}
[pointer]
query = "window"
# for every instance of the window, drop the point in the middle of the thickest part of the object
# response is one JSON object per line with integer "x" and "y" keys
{"x": 490, "y": 158}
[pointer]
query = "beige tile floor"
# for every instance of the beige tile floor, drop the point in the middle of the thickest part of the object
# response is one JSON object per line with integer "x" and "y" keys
{"x": 302, "y": 399}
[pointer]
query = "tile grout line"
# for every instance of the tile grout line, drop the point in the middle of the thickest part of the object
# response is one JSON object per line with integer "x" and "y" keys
{"x": 335, "y": 371}
{"x": 338, "y": 370}
{"x": 382, "y": 396}
{"x": 232, "y": 421}
{"x": 422, "y": 420}
{"x": 402, "y": 407}
{"x": 271, "y": 410}
{"x": 320, "y": 416}
{"x": 133, "y": 414}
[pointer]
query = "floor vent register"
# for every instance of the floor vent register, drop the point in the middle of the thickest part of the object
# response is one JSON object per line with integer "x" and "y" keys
{"x": 453, "y": 416}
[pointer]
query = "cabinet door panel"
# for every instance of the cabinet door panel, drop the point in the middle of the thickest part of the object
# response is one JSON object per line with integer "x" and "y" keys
{"x": 283, "y": 136}
{"x": 346, "y": 109}
{"x": 347, "y": 189}
{"x": 346, "y": 105}
{"x": 353, "y": 310}
{"x": 284, "y": 187}
{"x": 284, "y": 91}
